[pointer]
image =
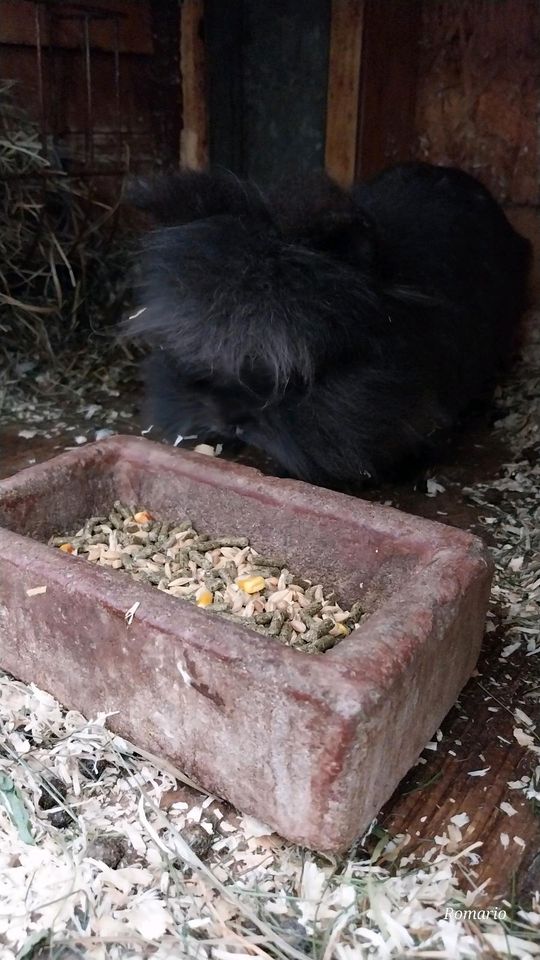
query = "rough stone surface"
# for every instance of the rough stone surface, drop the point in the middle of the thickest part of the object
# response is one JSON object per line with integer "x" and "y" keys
{"x": 312, "y": 745}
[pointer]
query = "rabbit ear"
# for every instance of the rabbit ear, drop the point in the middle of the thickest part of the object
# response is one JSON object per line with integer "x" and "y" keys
{"x": 194, "y": 195}
{"x": 351, "y": 238}
{"x": 313, "y": 210}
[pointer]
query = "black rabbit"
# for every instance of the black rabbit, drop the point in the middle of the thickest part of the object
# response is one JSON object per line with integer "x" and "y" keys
{"x": 338, "y": 331}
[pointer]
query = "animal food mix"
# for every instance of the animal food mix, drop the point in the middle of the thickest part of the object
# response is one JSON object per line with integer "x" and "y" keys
{"x": 224, "y": 575}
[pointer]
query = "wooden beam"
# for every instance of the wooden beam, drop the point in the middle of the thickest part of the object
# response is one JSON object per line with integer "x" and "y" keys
{"x": 388, "y": 78}
{"x": 17, "y": 26}
{"x": 346, "y": 34}
{"x": 194, "y": 134}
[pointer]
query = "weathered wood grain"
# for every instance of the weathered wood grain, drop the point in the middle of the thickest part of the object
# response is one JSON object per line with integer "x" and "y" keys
{"x": 343, "y": 89}
{"x": 194, "y": 134}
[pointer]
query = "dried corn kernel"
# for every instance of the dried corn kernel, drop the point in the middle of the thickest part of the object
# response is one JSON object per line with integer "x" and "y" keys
{"x": 67, "y": 548}
{"x": 251, "y": 584}
{"x": 339, "y": 630}
{"x": 205, "y": 599}
{"x": 142, "y": 517}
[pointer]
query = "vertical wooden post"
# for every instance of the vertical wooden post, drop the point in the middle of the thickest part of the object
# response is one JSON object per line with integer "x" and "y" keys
{"x": 388, "y": 76}
{"x": 372, "y": 73}
{"x": 194, "y": 133}
{"x": 346, "y": 33}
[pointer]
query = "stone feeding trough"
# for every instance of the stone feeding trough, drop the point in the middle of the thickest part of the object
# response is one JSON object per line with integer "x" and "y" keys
{"x": 312, "y": 744}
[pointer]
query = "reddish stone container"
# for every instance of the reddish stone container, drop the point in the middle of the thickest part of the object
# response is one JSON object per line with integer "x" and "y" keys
{"x": 313, "y": 745}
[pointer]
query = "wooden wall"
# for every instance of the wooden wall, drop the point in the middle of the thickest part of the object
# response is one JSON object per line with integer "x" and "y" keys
{"x": 478, "y": 98}
{"x": 449, "y": 81}
{"x": 145, "y": 133}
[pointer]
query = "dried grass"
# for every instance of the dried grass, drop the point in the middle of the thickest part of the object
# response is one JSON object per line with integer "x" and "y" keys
{"x": 63, "y": 265}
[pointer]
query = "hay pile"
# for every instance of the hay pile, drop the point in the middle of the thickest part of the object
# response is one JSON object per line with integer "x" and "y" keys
{"x": 63, "y": 265}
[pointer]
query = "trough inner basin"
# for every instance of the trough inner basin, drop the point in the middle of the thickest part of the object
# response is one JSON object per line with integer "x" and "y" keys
{"x": 326, "y": 546}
